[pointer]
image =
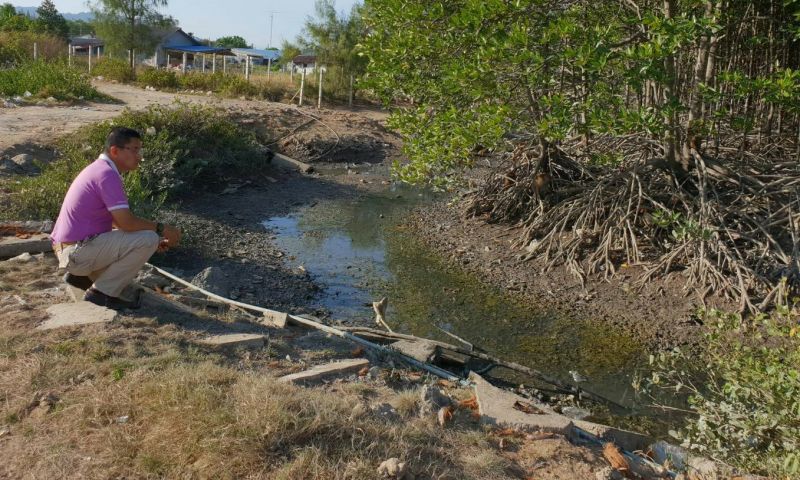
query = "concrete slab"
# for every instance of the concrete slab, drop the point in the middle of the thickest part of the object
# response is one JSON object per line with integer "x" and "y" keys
{"x": 234, "y": 340}
{"x": 321, "y": 372}
{"x": 13, "y": 246}
{"x": 496, "y": 408}
{"x": 275, "y": 319}
{"x": 421, "y": 351}
{"x": 74, "y": 314}
{"x": 626, "y": 439}
{"x": 291, "y": 163}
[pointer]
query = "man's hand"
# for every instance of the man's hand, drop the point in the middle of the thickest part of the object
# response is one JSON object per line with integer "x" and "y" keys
{"x": 171, "y": 238}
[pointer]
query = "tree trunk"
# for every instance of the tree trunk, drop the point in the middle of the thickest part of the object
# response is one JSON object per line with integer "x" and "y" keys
{"x": 671, "y": 118}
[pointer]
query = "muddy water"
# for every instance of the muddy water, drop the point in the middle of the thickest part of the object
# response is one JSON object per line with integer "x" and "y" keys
{"x": 358, "y": 252}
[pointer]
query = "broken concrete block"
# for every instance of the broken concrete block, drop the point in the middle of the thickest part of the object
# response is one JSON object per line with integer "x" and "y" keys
{"x": 13, "y": 246}
{"x": 496, "y": 408}
{"x": 234, "y": 340}
{"x": 21, "y": 258}
{"x": 321, "y": 372}
{"x": 73, "y": 314}
{"x": 421, "y": 350}
{"x": 290, "y": 163}
{"x": 626, "y": 439}
{"x": 275, "y": 319}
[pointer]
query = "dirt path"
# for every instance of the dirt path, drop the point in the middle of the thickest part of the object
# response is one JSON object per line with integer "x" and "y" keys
{"x": 30, "y": 129}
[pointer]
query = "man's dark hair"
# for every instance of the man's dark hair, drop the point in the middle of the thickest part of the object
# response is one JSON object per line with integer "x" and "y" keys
{"x": 121, "y": 136}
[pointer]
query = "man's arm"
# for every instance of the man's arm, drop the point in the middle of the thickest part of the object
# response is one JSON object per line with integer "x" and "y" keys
{"x": 128, "y": 222}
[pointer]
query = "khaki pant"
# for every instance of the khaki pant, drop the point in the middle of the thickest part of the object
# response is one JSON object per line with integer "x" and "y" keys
{"x": 111, "y": 259}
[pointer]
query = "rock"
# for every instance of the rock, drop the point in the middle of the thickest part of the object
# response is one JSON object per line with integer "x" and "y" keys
{"x": 22, "y": 258}
{"x": 320, "y": 372}
{"x": 608, "y": 473}
{"x": 576, "y": 413}
{"x": 25, "y": 162}
{"x": 214, "y": 280}
{"x": 700, "y": 468}
{"x": 375, "y": 372}
{"x": 235, "y": 340}
{"x": 664, "y": 452}
{"x": 74, "y": 314}
{"x": 432, "y": 399}
{"x": 148, "y": 278}
{"x": 393, "y": 468}
{"x": 150, "y": 131}
{"x": 27, "y": 94}
{"x": 51, "y": 99}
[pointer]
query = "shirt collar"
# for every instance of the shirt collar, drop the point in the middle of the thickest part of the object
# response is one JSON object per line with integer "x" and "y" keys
{"x": 108, "y": 160}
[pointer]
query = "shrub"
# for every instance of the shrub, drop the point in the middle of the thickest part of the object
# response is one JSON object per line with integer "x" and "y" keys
{"x": 47, "y": 79}
{"x": 16, "y": 47}
{"x": 745, "y": 392}
{"x": 113, "y": 69}
{"x": 157, "y": 78}
{"x": 183, "y": 146}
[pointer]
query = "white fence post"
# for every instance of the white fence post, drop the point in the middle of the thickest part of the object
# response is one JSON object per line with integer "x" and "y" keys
{"x": 90, "y": 59}
{"x": 269, "y": 68}
{"x": 350, "y": 102}
{"x": 69, "y": 55}
{"x": 183, "y": 67}
{"x": 214, "y": 63}
{"x": 302, "y": 85}
{"x": 319, "y": 96}
{"x": 35, "y": 51}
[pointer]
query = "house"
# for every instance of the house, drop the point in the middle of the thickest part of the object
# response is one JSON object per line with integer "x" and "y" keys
{"x": 257, "y": 57}
{"x": 304, "y": 62}
{"x": 81, "y": 45}
{"x": 178, "y": 49}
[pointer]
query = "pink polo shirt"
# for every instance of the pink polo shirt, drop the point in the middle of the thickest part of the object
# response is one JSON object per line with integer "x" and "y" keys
{"x": 93, "y": 195}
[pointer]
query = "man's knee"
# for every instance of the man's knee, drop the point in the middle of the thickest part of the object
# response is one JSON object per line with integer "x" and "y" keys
{"x": 149, "y": 240}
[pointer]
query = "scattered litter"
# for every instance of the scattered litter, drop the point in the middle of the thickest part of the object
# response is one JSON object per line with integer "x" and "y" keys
{"x": 21, "y": 258}
{"x": 27, "y": 94}
{"x": 122, "y": 419}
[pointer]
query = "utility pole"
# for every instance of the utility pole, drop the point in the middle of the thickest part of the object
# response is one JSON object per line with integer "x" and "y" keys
{"x": 271, "y": 21}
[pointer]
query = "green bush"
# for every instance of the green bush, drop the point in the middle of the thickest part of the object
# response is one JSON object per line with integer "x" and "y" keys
{"x": 47, "y": 79}
{"x": 744, "y": 392}
{"x": 113, "y": 69}
{"x": 184, "y": 145}
{"x": 17, "y": 47}
{"x": 157, "y": 78}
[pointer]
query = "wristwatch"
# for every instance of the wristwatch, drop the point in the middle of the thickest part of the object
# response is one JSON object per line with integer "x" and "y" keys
{"x": 159, "y": 228}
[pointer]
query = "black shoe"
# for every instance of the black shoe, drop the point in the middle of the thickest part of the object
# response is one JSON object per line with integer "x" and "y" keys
{"x": 115, "y": 303}
{"x": 78, "y": 281}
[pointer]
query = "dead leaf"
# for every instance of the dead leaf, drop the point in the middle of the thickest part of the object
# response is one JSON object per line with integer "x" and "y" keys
{"x": 471, "y": 404}
{"x": 616, "y": 459}
{"x": 446, "y": 383}
{"x": 445, "y": 415}
{"x": 414, "y": 376}
{"x": 525, "y": 407}
{"x": 363, "y": 372}
{"x": 357, "y": 352}
{"x": 23, "y": 236}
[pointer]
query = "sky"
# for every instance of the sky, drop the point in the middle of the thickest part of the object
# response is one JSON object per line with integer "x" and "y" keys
{"x": 213, "y": 19}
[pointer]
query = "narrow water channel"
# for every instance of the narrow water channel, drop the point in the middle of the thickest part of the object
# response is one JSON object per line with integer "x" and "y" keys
{"x": 358, "y": 252}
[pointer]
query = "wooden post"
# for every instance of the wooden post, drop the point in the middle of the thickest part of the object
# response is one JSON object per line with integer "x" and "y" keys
{"x": 90, "y": 59}
{"x": 213, "y": 63}
{"x": 35, "y": 51}
{"x": 350, "y": 102}
{"x": 302, "y": 84}
{"x": 183, "y": 66}
{"x": 319, "y": 96}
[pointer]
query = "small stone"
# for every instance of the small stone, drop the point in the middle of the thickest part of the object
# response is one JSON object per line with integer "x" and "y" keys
{"x": 5, "y": 431}
{"x": 22, "y": 258}
{"x": 393, "y": 468}
{"x": 150, "y": 131}
{"x": 432, "y": 399}
{"x": 27, "y": 94}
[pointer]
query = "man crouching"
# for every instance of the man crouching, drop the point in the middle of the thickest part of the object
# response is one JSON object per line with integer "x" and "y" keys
{"x": 100, "y": 243}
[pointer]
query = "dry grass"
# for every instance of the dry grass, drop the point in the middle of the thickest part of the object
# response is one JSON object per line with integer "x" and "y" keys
{"x": 138, "y": 399}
